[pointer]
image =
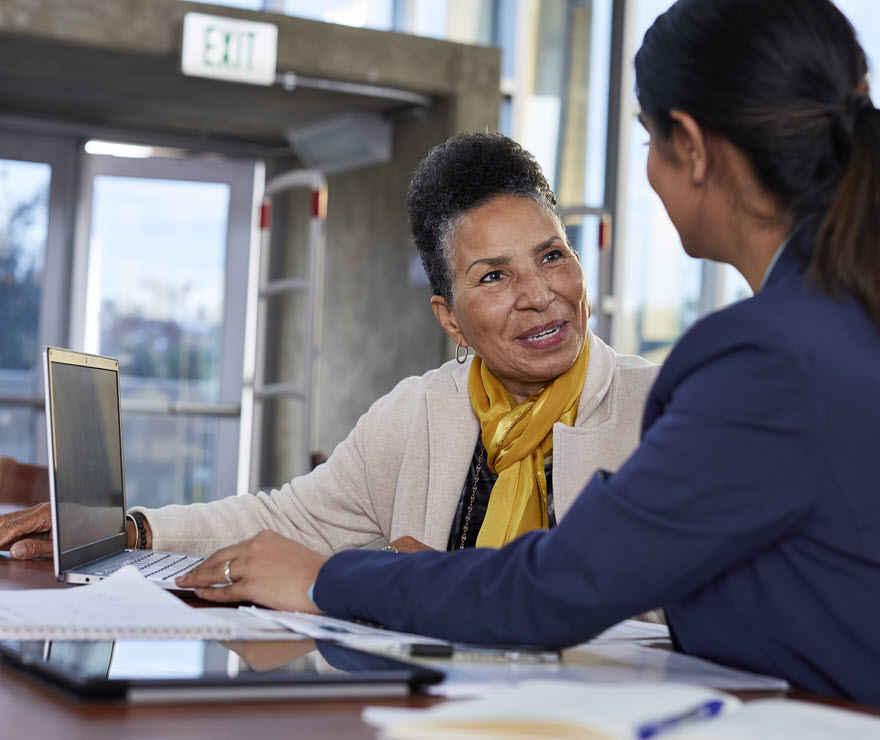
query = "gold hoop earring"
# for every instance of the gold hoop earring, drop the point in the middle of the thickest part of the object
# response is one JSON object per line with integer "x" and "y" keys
{"x": 461, "y": 360}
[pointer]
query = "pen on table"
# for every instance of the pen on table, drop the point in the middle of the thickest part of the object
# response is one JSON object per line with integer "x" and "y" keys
{"x": 451, "y": 650}
{"x": 701, "y": 711}
{"x": 430, "y": 650}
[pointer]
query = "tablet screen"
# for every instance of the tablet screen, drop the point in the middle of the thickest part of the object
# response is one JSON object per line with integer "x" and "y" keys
{"x": 153, "y": 671}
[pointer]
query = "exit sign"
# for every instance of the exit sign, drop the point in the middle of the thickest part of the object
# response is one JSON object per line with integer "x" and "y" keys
{"x": 229, "y": 49}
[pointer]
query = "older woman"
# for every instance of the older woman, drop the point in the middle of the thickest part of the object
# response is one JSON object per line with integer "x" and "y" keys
{"x": 750, "y": 509}
{"x": 529, "y": 419}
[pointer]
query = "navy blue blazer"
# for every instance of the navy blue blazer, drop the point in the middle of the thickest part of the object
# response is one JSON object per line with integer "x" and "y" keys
{"x": 750, "y": 511}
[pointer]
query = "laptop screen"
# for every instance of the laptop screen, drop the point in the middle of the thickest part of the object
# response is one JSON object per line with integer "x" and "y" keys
{"x": 86, "y": 455}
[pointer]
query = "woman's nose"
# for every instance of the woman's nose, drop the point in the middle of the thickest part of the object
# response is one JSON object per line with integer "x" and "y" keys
{"x": 534, "y": 292}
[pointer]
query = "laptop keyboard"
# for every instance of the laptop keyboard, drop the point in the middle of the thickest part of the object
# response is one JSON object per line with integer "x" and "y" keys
{"x": 164, "y": 566}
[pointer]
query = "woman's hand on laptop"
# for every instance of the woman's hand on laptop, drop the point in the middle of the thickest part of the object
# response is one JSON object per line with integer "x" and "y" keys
{"x": 268, "y": 569}
{"x": 27, "y": 533}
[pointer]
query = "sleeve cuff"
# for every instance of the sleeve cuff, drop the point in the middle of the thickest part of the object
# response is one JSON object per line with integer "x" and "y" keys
{"x": 311, "y": 595}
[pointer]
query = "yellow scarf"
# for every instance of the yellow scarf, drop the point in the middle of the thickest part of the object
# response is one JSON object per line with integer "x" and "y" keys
{"x": 517, "y": 439}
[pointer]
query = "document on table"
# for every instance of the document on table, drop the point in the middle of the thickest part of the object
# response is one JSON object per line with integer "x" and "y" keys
{"x": 621, "y": 654}
{"x": 343, "y": 631}
{"x": 545, "y": 709}
{"x": 618, "y": 663}
{"x": 621, "y": 661}
{"x": 367, "y": 637}
{"x": 125, "y": 605}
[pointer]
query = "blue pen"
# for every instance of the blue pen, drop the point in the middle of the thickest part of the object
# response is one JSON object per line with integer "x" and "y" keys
{"x": 701, "y": 711}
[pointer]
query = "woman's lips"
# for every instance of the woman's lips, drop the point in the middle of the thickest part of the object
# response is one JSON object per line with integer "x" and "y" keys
{"x": 544, "y": 337}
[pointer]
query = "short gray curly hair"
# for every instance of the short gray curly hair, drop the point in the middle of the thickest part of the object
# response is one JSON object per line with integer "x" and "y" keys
{"x": 462, "y": 174}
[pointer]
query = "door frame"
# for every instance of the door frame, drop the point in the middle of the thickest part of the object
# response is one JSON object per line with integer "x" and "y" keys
{"x": 241, "y": 176}
{"x": 61, "y": 154}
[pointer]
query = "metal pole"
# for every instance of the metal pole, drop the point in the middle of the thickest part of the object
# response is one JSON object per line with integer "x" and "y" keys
{"x": 619, "y": 90}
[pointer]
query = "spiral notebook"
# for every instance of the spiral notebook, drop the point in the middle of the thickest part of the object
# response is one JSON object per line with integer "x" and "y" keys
{"x": 124, "y": 605}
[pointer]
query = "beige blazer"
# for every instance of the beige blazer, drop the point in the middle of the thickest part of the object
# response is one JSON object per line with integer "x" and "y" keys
{"x": 402, "y": 468}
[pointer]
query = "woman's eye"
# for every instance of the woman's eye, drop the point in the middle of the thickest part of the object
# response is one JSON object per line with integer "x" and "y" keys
{"x": 554, "y": 255}
{"x": 491, "y": 277}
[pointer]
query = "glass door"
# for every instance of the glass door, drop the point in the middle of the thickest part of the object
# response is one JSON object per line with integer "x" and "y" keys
{"x": 160, "y": 283}
{"x": 36, "y": 196}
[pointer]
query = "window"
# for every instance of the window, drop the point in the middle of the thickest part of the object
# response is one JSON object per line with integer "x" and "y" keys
{"x": 865, "y": 17}
{"x": 24, "y": 220}
{"x": 662, "y": 290}
{"x": 160, "y": 282}
{"x": 36, "y": 202}
{"x": 376, "y": 14}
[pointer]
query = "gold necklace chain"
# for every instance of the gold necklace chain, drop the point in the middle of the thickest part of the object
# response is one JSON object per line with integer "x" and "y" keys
{"x": 467, "y": 518}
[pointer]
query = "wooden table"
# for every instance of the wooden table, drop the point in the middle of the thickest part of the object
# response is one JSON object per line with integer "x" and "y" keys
{"x": 29, "y": 710}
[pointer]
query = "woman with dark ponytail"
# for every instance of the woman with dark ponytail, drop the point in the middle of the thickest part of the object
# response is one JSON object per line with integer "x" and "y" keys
{"x": 751, "y": 509}
{"x": 786, "y": 84}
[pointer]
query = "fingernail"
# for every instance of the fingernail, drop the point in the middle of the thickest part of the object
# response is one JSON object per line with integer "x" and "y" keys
{"x": 18, "y": 551}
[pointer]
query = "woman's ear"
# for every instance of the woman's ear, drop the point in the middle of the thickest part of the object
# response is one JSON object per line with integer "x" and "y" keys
{"x": 446, "y": 316}
{"x": 690, "y": 146}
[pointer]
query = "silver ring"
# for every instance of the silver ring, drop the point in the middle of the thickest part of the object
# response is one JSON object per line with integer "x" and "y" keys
{"x": 229, "y": 580}
{"x": 390, "y": 549}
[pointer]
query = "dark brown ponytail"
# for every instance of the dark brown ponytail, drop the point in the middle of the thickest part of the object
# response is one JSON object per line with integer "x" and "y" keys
{"x": 847, "y": 254}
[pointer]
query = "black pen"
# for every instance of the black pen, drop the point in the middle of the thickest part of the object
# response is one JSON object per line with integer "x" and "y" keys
{"x": 430, "y": 650}
{"x": 475, "y": 652}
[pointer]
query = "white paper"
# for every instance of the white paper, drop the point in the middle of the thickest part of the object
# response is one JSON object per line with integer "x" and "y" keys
{"x": 631, "y": 661}
{"x": 632, "y": 629}
{"x": 609, "y": 663}
{"x": 123, "y": 605}
{"x": 245, "y": 626}
{"x": 348, "y": 633}
{"x": 783, "y": 719}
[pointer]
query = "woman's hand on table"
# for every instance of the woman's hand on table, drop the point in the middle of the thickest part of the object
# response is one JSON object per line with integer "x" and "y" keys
{"x": 27, "y": 533}
{"x": 267, "y": 569}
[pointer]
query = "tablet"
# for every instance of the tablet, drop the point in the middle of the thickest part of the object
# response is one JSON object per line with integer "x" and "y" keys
{"x": 179, "y": 671}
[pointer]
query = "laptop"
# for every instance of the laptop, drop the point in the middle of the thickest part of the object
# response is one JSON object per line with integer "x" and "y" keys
{"x": 183, "y": 671}
{"x": 87, "y": 477}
